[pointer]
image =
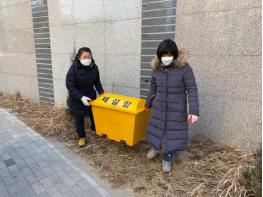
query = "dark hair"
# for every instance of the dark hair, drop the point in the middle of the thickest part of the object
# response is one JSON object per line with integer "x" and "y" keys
{"x": 167, "y": 46}
{"x": 80, "y": 51}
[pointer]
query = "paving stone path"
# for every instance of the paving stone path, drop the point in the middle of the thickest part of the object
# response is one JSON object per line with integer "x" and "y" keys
{"x": 30, "y": 165}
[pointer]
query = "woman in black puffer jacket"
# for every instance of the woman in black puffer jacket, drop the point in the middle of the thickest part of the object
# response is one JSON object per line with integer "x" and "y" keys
{"x": 82, "y": 82}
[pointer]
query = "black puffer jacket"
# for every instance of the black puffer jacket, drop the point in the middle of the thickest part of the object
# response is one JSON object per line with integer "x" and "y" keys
{"x": 82, "y": 81}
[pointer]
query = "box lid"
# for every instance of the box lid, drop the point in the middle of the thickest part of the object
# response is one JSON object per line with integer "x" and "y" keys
{"x": 120, "y": 103}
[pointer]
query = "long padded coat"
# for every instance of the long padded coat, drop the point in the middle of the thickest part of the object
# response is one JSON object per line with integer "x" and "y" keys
{"x": 170, "y": 88}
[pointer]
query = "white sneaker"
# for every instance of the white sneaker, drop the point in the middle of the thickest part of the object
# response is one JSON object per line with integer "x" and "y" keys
{"x": 152, "y": 153}
{"x": 167, "y": 166}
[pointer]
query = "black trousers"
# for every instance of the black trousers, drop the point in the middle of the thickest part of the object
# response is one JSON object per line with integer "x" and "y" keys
{"x": 80, "y": 123}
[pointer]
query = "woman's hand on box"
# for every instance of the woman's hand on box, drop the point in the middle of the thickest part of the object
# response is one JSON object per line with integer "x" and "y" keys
{"x": 146, "y": 109}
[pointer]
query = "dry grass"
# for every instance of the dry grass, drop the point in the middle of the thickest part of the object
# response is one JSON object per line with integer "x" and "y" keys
{"x": 206, "y": 169}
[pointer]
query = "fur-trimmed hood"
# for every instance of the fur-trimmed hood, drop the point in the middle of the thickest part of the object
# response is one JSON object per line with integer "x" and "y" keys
{"x": 180, "y": 61}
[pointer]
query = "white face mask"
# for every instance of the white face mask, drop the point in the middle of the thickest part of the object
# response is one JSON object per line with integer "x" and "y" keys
{"x": 85, "y": 62}
{"x": 167, "y": 60}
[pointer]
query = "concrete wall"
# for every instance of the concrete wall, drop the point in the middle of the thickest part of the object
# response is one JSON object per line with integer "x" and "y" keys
{"x": 224, "y": 40}
{"x": 113, "y": 32}
{"x": 223, "y": 37}
{"x": 17, "y": 51}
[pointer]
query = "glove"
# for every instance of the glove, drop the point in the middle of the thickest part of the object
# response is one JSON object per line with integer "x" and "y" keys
{"x": 85, "y": 100}
{"x": 192, "y": 119}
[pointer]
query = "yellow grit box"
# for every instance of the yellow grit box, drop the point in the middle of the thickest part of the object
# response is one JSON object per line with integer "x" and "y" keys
{"x": 120, "y": 118}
